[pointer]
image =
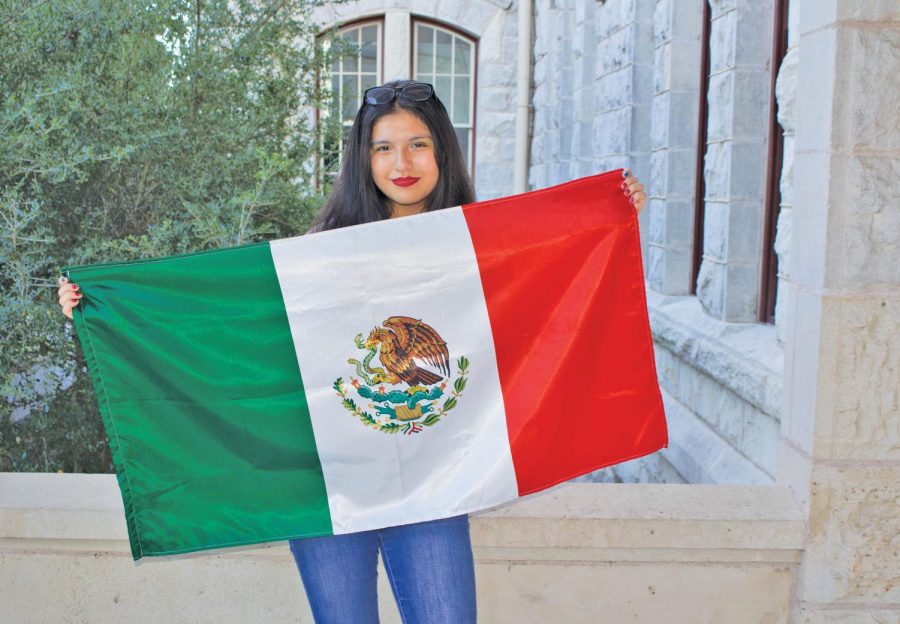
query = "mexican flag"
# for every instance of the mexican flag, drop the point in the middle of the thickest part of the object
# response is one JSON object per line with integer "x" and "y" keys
{"x": 381, "y": 374}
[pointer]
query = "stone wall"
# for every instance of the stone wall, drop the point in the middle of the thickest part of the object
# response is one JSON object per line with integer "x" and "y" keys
{"x": 575, "y": 554}
{"x": 841, "y": 424}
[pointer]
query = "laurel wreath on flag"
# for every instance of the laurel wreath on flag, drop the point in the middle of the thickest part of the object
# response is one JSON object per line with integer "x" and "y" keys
{"x": 411, "y": 427}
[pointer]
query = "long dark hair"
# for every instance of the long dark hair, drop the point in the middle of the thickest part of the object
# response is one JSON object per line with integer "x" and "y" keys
{"x": 355, "y": 199}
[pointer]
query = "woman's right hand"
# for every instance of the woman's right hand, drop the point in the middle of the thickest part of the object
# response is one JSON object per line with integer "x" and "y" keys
{"x": 68, "y": 295}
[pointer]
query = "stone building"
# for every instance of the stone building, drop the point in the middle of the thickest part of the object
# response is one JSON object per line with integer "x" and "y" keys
{"x": 768, "y": 135}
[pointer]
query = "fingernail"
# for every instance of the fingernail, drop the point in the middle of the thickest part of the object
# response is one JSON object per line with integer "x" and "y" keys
{"x": 628, "y": 193}
{"x": 74, "y": 286}
{"x": 624, "y": 185}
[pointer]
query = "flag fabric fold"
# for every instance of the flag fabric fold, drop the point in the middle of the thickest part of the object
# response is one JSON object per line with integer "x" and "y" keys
{"x": 381, "y": 374}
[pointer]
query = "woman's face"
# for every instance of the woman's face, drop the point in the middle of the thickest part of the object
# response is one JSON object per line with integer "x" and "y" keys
{"x": 403, "y": 161}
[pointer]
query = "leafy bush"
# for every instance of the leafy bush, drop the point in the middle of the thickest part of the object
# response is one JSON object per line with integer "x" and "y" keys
{"x": 131, "y": 130}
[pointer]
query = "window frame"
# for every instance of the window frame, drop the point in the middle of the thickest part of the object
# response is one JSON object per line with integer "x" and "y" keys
{"x": 338, "y": 30}
{"x": 473, "y": 97}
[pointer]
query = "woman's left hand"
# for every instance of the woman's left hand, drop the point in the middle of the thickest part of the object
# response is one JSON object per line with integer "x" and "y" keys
{"x": 634, "y": 190}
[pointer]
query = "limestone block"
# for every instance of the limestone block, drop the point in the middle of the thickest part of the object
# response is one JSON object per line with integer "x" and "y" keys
{"x": 662, "y": 21}
{"x": 681, "y": 176}
{"x": 476, "y": 15}
{"x": 655, "y": 268}
{"x": 801, "y": 371}
{"x": 615, "y": 51}
{"x": 614, "y": 90}
{"x": 497, "y": 123}
{"x": 735, "y": 170}
{"x": 612, "y": 132}
{"x": 814, "y": 14}
{"x": 700, "y": 455}
{"x": 604, "y": 594}
{"x": 722, "y": 104}
{"x": 728, "y": 291}
{"x": 739, "y": 225}
{"x": 497, "y": 75}
{"x": 786, "y": 90}
{"x": 742, "y": 293}
{"x": 866, "y": 112}
{"x": 682, "y": 120}
{"x": 864, "y": 614}
{"x": 715, "y": 230}
{"x": 722, "y": 42}
{"x": 679, "y": 223}
{"x": 716, "y": 170}
{"x": 662, "y": 65}
{"x": 585, "y": 137}
{"x": 496, "y": 99}
{"x": 787, "y": 171}
{"x": 760, "y": 440}
{"x": 718, "y": 7}
{"x": 853, "y": 554}
{"x": 720, "y": 408}
{"x": 816, "y": 91}
{"x": 864, "y": 229}
{"x": 541, "y": 66}
{"x": 677, "y": 271}
{"x": 751, "y": 104}
{"x": 613, "y": 15}
{"x": 809, "y": 225}
{"x": 490, "y": 42}
{"x": 685, "y": 67}
{"x": 865, "y": 350}
{"x": 746, "y": 359}
{"x": 753, "y": 44}
{"x": 784, "y": 308}
{"x": 659, "y": 165}
{"x": 656, "y": 228}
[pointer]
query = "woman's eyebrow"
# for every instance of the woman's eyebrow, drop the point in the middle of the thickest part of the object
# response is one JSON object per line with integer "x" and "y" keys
{"x": 415, "y": 138}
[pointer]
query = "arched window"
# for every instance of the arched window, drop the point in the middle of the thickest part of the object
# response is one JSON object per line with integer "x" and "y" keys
{"x": 441, "y": 56}
{"x": 446, "y": 59}
{"x": 351, "y": 75}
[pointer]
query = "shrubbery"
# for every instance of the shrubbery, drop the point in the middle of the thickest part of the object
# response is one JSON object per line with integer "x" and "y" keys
{"x": 132, "y": 130}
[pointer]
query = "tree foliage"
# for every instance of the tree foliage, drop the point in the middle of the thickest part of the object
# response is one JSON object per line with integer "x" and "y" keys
{"x": 135, "y": 129}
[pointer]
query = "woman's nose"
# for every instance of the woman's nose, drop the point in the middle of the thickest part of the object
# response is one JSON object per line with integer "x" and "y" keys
{"x": 402, "y": 162}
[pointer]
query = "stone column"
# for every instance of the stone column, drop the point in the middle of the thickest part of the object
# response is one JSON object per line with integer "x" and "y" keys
{"x": 735, "y": 162}
{"x": 841, "y": 421}
{"x": 676, "y": 79}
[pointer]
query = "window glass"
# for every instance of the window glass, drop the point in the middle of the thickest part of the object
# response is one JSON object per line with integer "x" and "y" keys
{"x": 351, "y": 75}
{"x": 445, "y": 59}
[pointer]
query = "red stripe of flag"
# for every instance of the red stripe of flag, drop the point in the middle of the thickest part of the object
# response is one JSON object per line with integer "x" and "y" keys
{"x": 562, "y": 276}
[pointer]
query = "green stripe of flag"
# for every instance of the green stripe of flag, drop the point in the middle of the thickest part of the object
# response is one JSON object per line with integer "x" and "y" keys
{"x": 215, "y": 364}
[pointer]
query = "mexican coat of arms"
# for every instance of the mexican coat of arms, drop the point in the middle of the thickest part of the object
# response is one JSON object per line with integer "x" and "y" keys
{"x": 409, "y": 391}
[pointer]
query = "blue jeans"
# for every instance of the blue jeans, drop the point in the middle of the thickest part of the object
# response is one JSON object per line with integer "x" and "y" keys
{"x": 429, "y": 566}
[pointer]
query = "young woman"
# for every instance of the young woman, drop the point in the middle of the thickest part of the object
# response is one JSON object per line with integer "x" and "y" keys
{"x": 402, "y": 158}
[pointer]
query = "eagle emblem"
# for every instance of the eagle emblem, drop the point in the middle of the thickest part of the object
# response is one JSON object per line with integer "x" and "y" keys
{"x": 408, "y": 392}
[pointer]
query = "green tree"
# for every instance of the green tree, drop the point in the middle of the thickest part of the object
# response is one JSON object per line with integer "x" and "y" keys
{"x": 135, "y": 129}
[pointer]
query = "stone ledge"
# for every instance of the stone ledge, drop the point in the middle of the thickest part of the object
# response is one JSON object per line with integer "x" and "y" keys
{"x": 701, "y": 455}
{"x": 577, "y": 521}
{"x": 744, "y": 357}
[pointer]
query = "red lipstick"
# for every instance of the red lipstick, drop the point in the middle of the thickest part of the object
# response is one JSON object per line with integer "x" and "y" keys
{"x": 405, "y": 181}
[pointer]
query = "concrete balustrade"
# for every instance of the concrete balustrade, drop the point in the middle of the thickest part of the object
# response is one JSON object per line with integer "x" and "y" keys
{"x": 578, "y": 553}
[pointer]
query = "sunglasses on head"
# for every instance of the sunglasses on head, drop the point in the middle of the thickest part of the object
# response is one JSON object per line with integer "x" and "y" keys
{"x": 415, "y": 92}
